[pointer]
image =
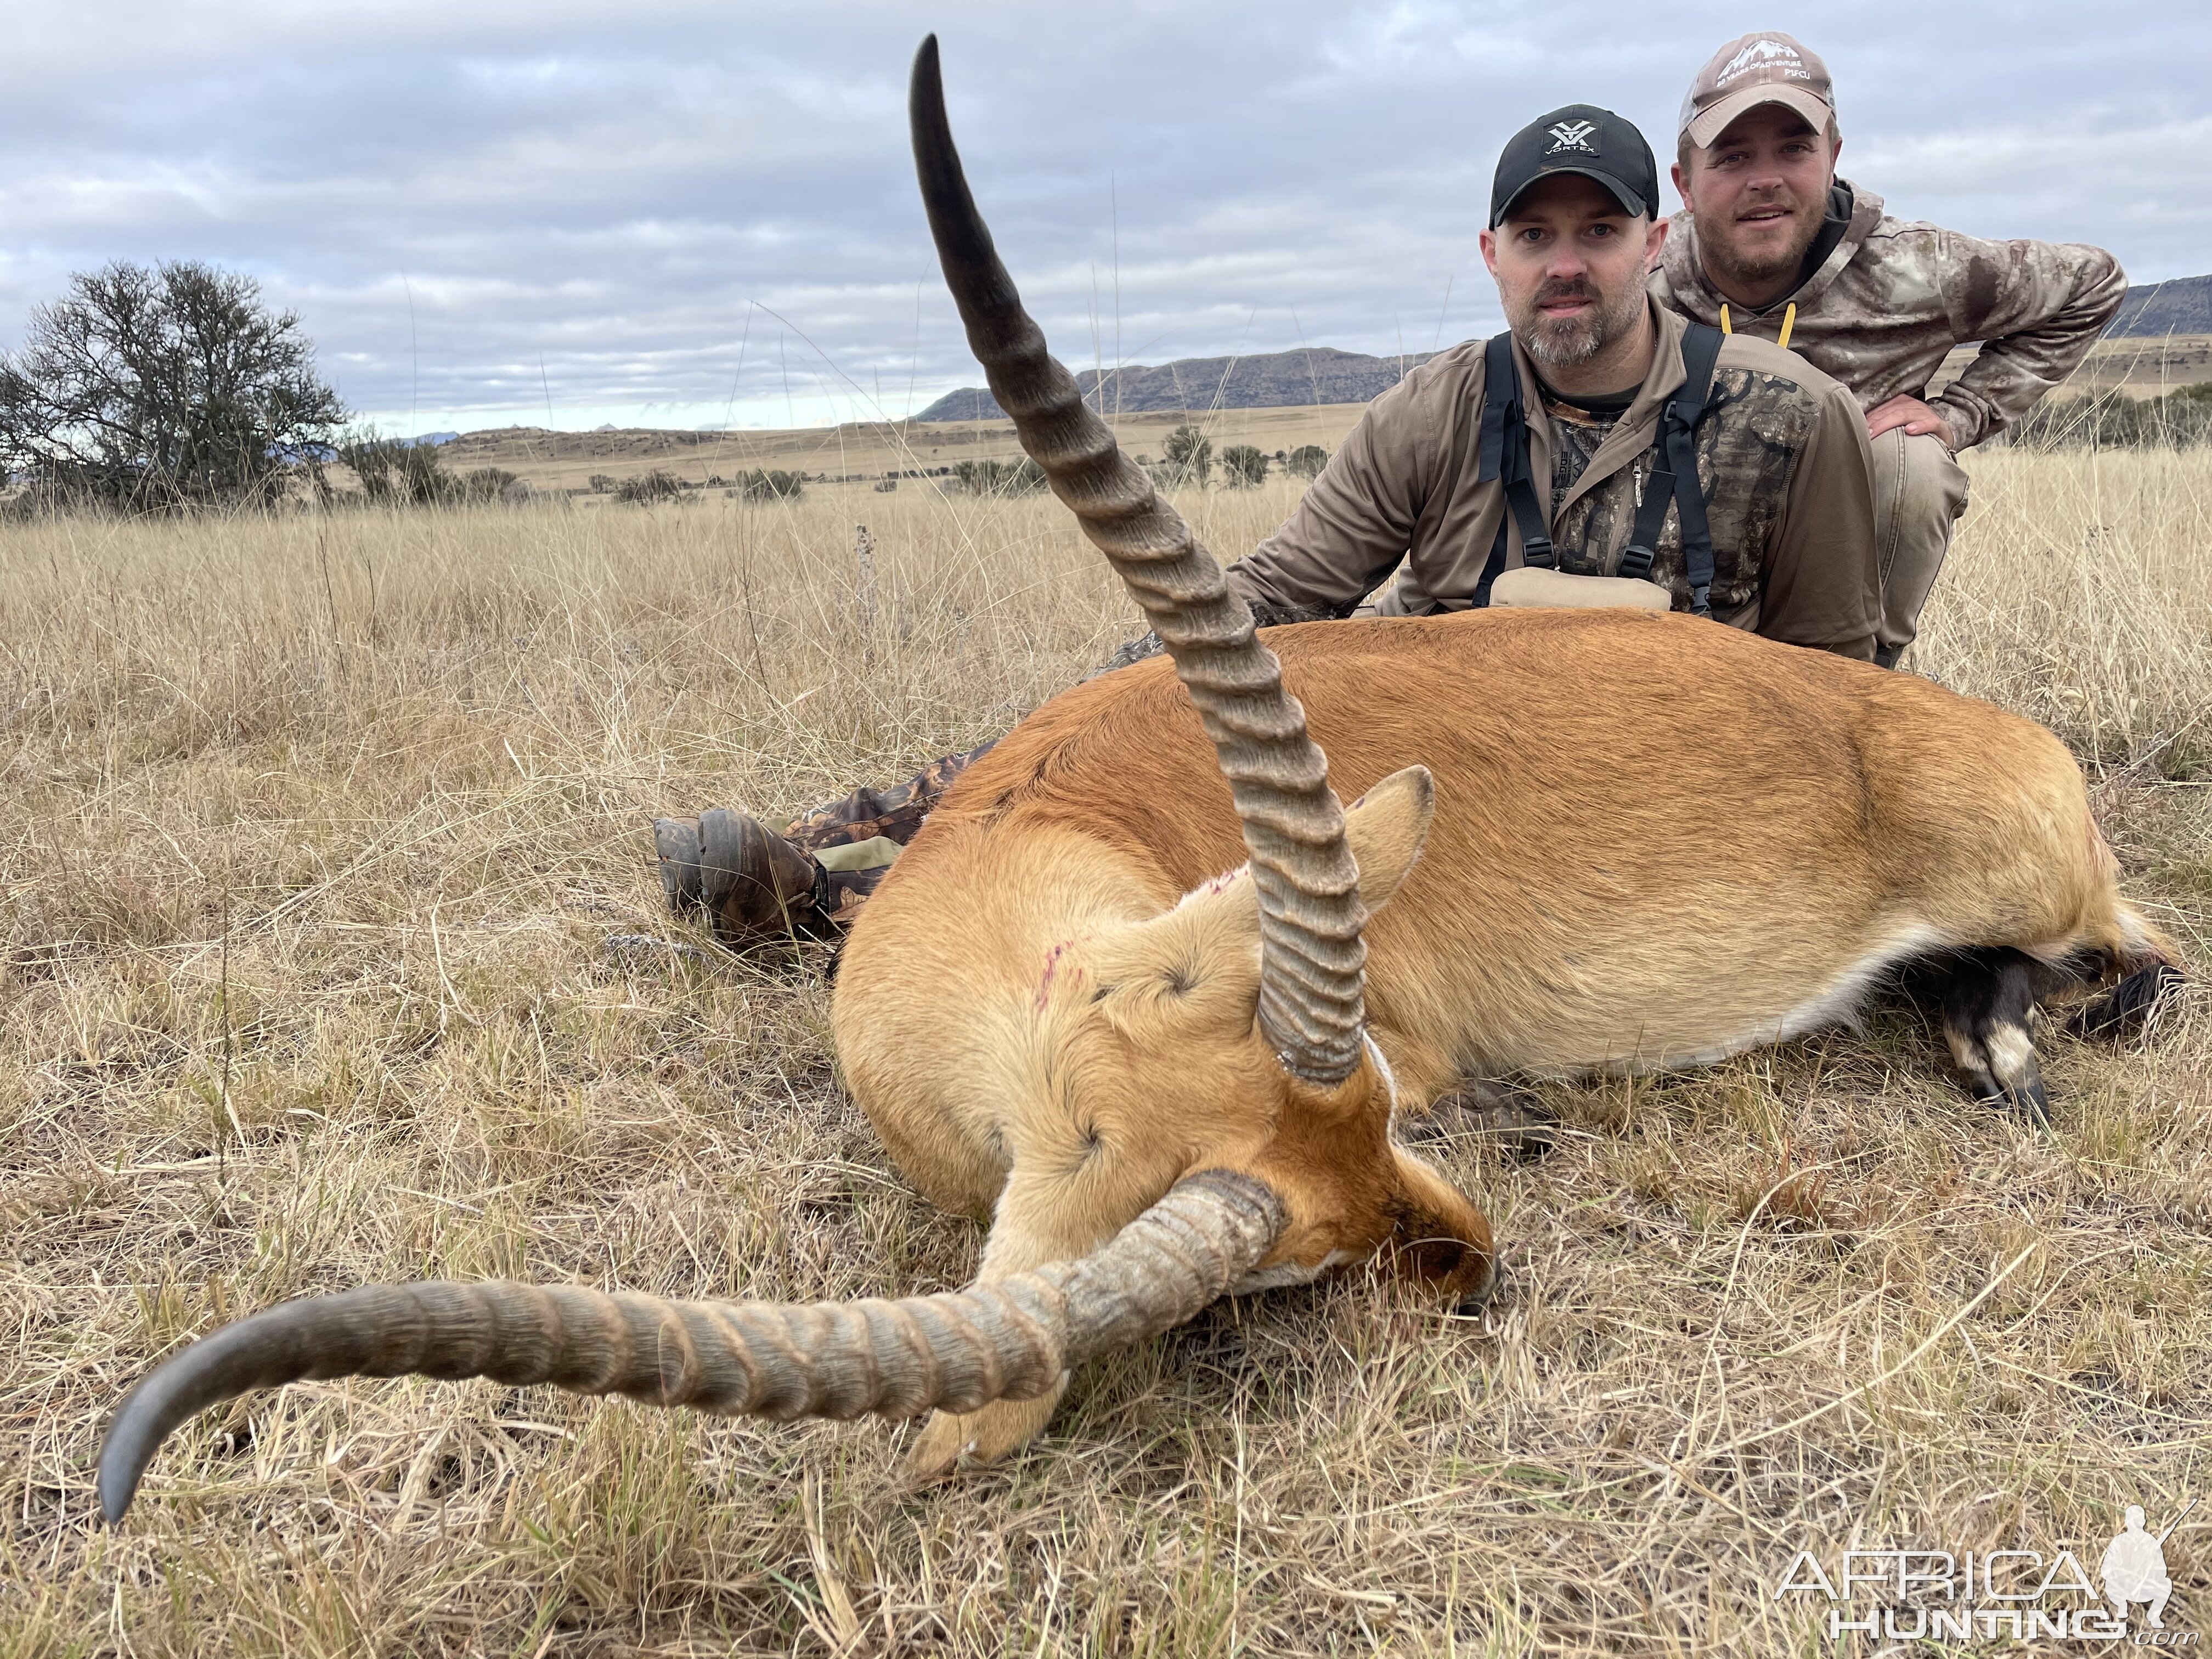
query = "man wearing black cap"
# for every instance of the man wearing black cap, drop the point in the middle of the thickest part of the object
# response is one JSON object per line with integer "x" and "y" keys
{"x": 1780, "y": 449}
{"x": 1592, "y": 469}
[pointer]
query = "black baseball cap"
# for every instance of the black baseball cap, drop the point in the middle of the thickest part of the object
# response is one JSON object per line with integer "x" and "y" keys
{"x": 1580, "y": 138}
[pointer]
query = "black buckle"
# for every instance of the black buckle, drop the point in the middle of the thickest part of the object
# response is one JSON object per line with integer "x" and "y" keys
{"x": 1701, "y": 600}
{"x": 1637, "y": 562}
{"x": 1537, "y": 552}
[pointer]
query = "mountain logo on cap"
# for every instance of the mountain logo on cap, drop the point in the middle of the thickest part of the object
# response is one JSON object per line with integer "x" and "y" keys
{"x": 1758, "y": 55}
{"x": 1572, "y": 135}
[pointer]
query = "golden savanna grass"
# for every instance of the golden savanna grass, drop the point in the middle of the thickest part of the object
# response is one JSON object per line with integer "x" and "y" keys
{"x": 315, "y": 829}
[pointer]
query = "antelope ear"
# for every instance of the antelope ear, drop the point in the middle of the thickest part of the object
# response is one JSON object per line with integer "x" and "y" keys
{"x": 1386, "y": 827}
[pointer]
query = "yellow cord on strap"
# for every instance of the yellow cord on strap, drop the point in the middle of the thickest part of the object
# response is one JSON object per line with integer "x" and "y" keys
{"x": 1789, "y": 322}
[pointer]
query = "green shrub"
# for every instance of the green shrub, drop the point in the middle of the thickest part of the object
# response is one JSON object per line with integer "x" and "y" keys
{"x": 494, "y": 483}
{"x": 1189, "y": 456}
{"x": 1307, "y": 460}
{"x": 1244, "y": 467}
{"x": 396, "y": 473}
{"x": 1021, "y": 477}
{"x": 761, "y": 485}
{"x": 658, "y": 485}
{"x": 2179, "y": 419}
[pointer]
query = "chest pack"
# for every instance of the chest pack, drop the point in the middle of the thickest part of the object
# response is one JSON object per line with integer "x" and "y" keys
{"x": 1504, "y": 457}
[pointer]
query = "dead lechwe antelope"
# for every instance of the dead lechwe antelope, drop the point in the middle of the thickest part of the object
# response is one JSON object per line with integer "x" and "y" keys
{"x": 1186, "y": 993}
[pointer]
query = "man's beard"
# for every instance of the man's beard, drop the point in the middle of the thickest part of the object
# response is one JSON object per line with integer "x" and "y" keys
{"x": 1755, "y": 270}
{"x": 1571, "y": 342}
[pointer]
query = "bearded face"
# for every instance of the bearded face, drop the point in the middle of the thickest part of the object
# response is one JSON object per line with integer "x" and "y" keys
{"x": 1570, "y": 262}
{"x": 1567, "y": 322}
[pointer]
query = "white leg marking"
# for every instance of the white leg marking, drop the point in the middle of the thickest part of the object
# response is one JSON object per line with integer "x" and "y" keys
{"x": 1965, "y": 1049}
{"x": 2012, "y": 1056}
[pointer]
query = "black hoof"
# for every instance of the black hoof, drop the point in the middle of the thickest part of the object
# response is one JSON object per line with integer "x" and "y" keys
{"x": 2030, "y": 1098}
{"x": 2124, "y": 1010}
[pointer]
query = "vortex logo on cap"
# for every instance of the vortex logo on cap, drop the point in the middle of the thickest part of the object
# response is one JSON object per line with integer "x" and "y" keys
{"x": 1572, "y": 135}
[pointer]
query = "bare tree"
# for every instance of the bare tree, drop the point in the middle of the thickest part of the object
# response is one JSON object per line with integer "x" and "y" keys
{"x": 156, "y": 388}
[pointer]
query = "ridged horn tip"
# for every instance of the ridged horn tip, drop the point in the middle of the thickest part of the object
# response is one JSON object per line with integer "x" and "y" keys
{"x": 1001, "y": 1338}
{"x": 1293, "y": 826}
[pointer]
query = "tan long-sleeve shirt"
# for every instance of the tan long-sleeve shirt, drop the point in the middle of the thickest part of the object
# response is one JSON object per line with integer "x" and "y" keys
{"x": 1782, "y": 454}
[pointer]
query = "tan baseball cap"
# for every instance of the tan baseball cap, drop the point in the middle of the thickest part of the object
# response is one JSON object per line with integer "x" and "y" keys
{"x": 1754, "y": 69}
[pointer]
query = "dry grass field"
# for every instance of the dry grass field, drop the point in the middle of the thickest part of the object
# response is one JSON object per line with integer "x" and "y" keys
{"x": 568, "y": 460}
{"x": 314, "y": 831}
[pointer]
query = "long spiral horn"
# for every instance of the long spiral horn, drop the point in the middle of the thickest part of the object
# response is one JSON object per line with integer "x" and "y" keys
{"x": 1311, "y": 953}
{"x": 1010, "y": 1339}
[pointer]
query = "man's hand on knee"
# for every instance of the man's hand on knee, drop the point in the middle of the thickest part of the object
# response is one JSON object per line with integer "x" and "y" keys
{"x": 1915, "y": 416}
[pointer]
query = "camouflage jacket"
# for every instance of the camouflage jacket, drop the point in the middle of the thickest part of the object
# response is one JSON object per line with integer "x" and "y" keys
{"x": 1782, "y": 454}
{"x": 1893, "y": 297}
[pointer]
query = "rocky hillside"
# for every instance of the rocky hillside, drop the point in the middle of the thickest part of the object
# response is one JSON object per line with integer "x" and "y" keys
{"x": 1280, "y": 379}
{"x": 1289, "y": 380}
{"x": 2183, "y": 305}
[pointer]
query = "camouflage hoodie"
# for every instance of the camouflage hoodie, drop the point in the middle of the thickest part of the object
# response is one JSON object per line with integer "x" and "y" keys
{"x": 1892, "y": 298}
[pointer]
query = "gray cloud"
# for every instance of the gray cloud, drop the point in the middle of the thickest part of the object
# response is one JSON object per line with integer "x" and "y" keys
{"x": 481, "y": 208}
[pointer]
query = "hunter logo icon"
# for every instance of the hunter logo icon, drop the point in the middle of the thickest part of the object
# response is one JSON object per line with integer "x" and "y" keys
{"x": 1572, "y": 135}
{"x": 2134, "y": 1567}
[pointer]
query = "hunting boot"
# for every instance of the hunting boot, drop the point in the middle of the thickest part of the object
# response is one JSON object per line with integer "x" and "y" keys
{"x": 753, "y": 885}
{"x": 1514, "y": 1120}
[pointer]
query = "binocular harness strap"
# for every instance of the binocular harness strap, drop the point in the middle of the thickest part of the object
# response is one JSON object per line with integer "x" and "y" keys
{"x": 1504, "y": 457}
{"x": 1674, "y": 476}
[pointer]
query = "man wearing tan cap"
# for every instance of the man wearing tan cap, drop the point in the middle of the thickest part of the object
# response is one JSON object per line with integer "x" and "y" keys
{"x": 1770, "y": 242}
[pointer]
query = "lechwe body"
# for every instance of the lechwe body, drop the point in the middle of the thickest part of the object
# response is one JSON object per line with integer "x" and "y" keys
{"x": 1143, "y": 991}
{"x": 1656, "y": 841}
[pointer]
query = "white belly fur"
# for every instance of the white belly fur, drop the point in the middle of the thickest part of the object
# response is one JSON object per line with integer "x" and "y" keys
{"x": 1835, "y": 1003}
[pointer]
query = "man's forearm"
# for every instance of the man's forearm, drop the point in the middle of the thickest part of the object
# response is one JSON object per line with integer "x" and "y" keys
{"x": 1353, "y": 524}
{"x": 2063, "y": 296}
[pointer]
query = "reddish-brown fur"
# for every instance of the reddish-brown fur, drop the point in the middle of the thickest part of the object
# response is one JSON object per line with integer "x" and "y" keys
{"x": 1656, "y": 841}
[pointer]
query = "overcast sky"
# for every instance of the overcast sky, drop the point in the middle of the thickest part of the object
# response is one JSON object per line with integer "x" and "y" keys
{"x": 672, "y": 213}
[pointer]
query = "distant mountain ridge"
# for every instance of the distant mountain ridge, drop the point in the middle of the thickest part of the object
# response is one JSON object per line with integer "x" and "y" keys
{"x": 1277, "y": 380}
{"x": 2183, "y": 305}
{"x": 1285, "y": 379}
